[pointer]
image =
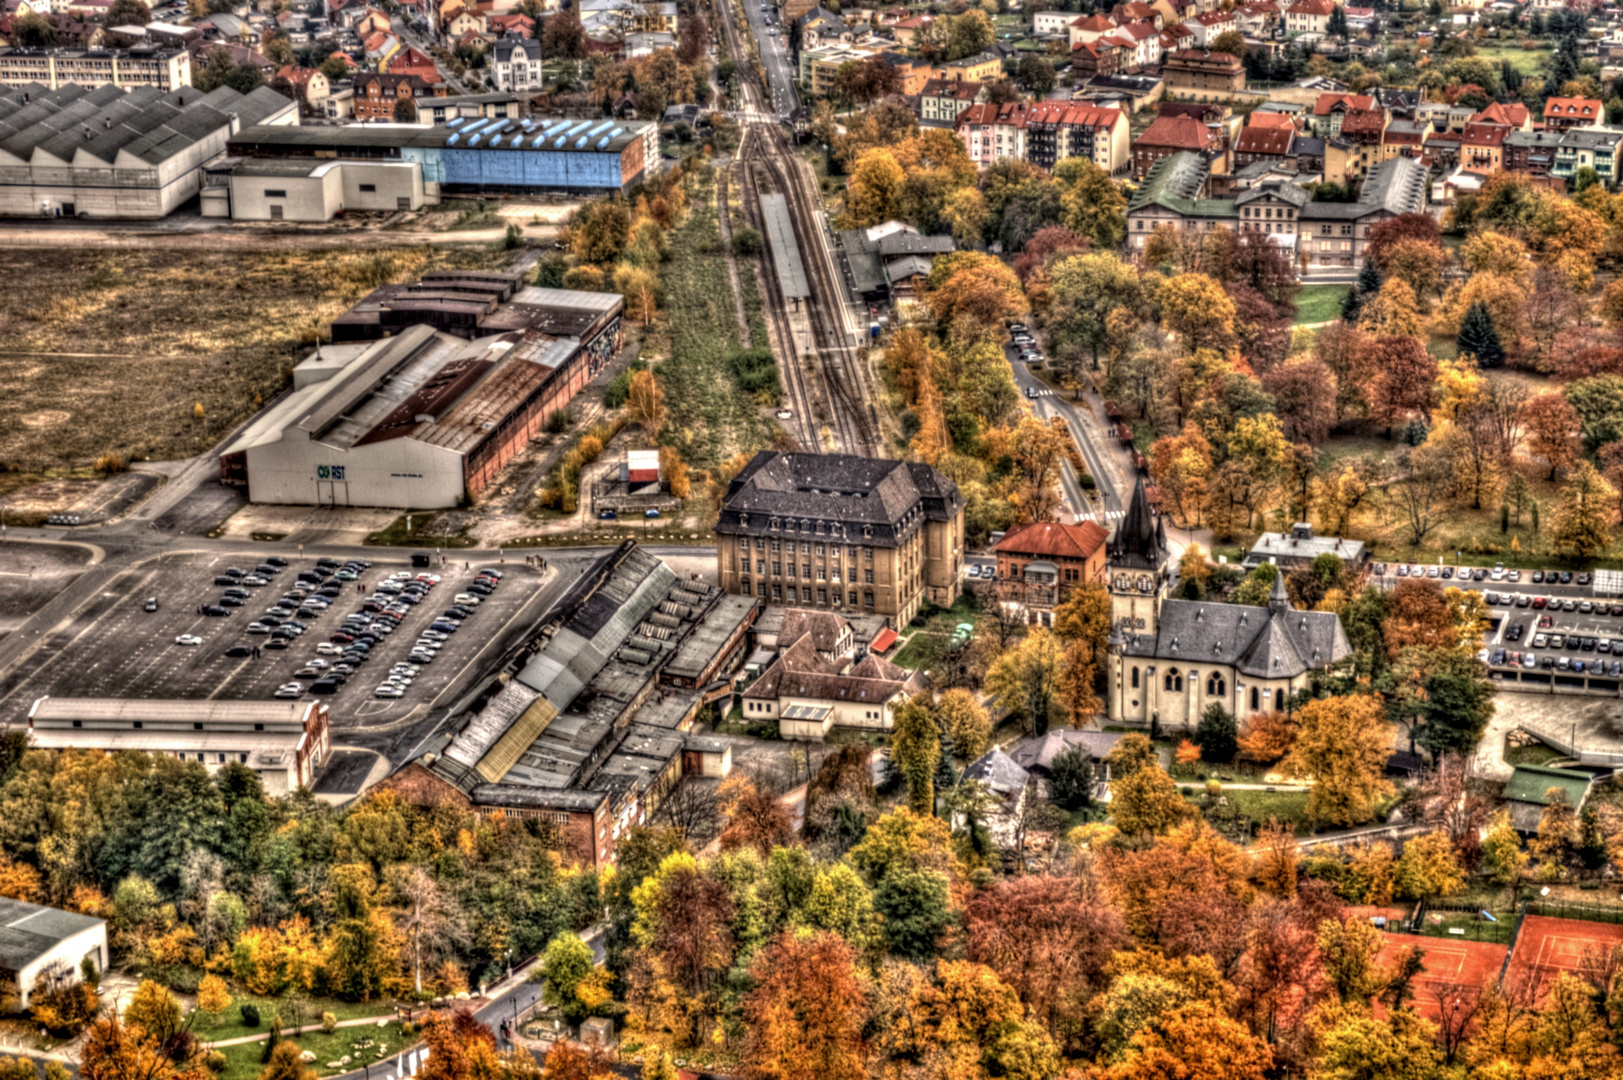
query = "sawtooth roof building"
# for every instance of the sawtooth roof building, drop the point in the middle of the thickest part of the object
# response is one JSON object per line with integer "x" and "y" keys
{"x": 588, "y": 725}
{"x": 427, "y": 393}
{"x": 114, "y": 153}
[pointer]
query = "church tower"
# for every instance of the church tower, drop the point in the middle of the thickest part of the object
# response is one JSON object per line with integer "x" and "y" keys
{"x": 1136, "y": 567}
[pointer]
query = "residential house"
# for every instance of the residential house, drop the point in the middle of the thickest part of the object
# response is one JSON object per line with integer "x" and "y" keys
{"x": 1442, "y": 116}
{"x": 1056, "y": 130}
{"x": 1308, "y": 16}
{"x": 461, "y": 21}
{"x": 515, "y": 22}
{"x": 1035, "y": 755}
{"x": 1089, "y": 28}
{"x": 1482, "y": 147}
{"x": 1258, "y": 19}
{"x": 515, "y": 63}
{"x": 1330, "y": 111}
{"x": 942, "y": 100}
{"x": 820, "y": 67}
{"x": 1008, "y": 785}
{"x": 1403, "y": 137}
{"x": 370, "y": 20}
{"x": 1364, "y": 129}
{"x": 1264, "y": 142}
{"x": 1207, "y": 26}
{"x": 912, "y": 73}
{"x": 1040, "y": 563}
{"x": 1051, "y": 23}
{"x": 982, "y": 67}
{"x": 1531, "y": 152}
{"x": 1175, "y": 37}
{"x": 340, "y": 103}
{"x": 908, "y": 30}
{"x": 993, "y": 132}
{"x": 630, "y": 17}
{"x": 377, "y": 95}
{"x": 1513, "y": 115}
{"x": 1170, "y": 135}
{"x": 413, "y": 61}
{"x": 1174, "y": 194}
{"x": 1146, "y": 39}
{"x": 1176, "y": 11}
{"x": 1106, "y": 56}
{"x": 1593, "y": 148}
{"x": 1564, "y": 114}
{"x": 310, "y": 84}
{"x": 1201, "y": 75}
{"x": 1136, "y": 11}
{"x": 820, "y": 27}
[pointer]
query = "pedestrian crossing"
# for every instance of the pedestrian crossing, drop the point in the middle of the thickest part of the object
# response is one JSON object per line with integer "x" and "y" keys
{"x": 1038, "y": 392}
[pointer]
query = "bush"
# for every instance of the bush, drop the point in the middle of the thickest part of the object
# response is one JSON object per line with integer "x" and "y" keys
{"x": 747, "y": 242}
{"x": 250, "y": 1014}
{"x": 755, "y": 371}
{"x": 1070, "y": 781}
{"x": 513, "y": 239}
{"x": 215, "y": 1061}
{"x": 329, "y": 1023}
{"x": 111, "y": 463}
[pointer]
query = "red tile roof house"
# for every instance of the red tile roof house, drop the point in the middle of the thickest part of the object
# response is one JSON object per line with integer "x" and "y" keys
{"x": 1134, "y": 11}
{"x": 1102, "y": 57}
{"x": 1206, "y": 26}
{"x": 1308, "y": 16}
{"x": 1043, "y": 560}
{"x": 1262, "y": 143}
{"x": 1560, "y": 114}
{"x": 1515, "y": 116}
{"x": 1089, "y": 28}
{"x": 1170, "y": 135}
{"x": 1482, "y": 147}
{"x": 1329, "y": 110}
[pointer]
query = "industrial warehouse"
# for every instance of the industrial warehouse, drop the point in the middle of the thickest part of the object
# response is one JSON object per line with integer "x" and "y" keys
{"x": 427, "y": 392}
{"x": 481, "y": 157}
{"x": 588, "y": 724}
{"x": 112, "y": 153}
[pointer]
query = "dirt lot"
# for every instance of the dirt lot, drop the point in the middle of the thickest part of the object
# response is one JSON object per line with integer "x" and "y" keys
{"x": 110, "y": 351}
{"x": 112, "y": 648}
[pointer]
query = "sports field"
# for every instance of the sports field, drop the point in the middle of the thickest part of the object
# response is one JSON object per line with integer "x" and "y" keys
{"x": 1548, "y": 946}
{"x": 1448, "y": 967}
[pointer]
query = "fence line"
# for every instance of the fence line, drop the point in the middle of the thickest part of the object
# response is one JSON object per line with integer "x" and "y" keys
{"x": 1515, "y": 936}
{"x": 1565, "y": 909}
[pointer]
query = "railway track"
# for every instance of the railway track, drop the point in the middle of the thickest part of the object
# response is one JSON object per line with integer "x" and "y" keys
{"x": 770, "y": 166}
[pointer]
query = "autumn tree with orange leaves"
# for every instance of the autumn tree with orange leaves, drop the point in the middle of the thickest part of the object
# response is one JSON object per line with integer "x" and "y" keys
{"x": 807, "y": 1010}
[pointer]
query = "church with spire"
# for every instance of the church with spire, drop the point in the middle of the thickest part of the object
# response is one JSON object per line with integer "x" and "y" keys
{"x": 1171, "y": 659}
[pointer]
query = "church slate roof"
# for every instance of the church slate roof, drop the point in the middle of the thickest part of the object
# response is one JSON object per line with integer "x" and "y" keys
{"x": 1253, "y": 640}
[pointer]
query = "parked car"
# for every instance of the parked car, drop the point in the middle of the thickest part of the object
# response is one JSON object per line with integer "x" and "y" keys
{"x": 188, "y": 639}
{"x": 151, "y": 604}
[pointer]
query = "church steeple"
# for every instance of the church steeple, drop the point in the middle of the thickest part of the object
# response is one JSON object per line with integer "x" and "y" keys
{"x": 1279, "y": 601}
{"x": 1140, "y": 540}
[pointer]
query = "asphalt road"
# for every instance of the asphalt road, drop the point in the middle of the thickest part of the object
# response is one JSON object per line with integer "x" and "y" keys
{"x": 775, "y": 57}
{"x": 1089, "y": 433}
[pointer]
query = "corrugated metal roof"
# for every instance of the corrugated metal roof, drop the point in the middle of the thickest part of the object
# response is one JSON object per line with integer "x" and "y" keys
{"x": 206, "y": 712}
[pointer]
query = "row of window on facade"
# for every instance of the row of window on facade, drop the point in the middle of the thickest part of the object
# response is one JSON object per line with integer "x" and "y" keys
{"x": 1217, "y": 686}
{"x": 806, "y": 594}
{"x": 806, "y": 525}
{"x": 806, "y": 548}
{"x": 823, "y": 574}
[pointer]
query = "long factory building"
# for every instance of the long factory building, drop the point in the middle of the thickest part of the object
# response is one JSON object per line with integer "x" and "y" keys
{"x": 426, "y": 393}
{"x": 482, "y": 156}
{"x": 114, "y": 153}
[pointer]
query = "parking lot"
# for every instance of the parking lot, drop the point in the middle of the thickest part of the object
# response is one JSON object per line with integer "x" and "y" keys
{"x": 112, "y": 647}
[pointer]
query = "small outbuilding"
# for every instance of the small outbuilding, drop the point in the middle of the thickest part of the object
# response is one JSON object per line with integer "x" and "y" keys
{"x": 42, "y": 946}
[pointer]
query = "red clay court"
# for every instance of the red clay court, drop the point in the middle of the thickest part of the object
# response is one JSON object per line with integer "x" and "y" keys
{"x": 1548, "y": 945}
{"x": 1446, "y": 962}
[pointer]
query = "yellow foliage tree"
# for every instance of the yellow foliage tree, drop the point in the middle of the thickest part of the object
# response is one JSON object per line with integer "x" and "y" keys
{"x": 1343, "y": 743}
{"x": 645, "y": 406}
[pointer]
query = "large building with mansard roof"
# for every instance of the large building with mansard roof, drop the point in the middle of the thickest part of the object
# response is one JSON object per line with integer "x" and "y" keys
{"x": 1171, "y": 659}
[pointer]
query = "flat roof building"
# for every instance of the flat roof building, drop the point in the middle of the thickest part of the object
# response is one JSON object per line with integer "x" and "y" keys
{"x": 284, "y": 742}
{"x": 111, "y": 153}
{"x": 483, "y": 156}
{"x": 426, "y": 417}
{"x": 273, "y": 189}
{"x": 154, "y": 66}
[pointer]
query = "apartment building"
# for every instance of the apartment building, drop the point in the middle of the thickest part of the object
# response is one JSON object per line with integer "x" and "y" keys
{"x": 142, "y": 66}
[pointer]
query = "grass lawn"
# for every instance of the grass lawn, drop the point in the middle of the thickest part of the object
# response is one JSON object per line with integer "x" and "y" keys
{"x": 112, "y": 350}
{"x": 923, "y": 650}
{"x": 1536, "y": 754}
{"x": 419, "y": 534}
{"x": 1319, "y": 303}
{"x": 1290, "y": 807}
{"x": 1442, "y": 924}
{"x": 230, "y": 1025}
{"x": 1526, "y": 61}
{"x": 361, "y": 1044}
{"x": 708, "y": 419}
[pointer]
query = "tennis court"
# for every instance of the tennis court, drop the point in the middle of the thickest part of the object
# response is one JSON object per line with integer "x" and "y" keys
{"x": 1549, "y": 945}
{"x": 1446, "y": 963}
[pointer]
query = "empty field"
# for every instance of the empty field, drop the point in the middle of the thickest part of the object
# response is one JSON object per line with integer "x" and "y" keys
{"x": 111, "y": 351}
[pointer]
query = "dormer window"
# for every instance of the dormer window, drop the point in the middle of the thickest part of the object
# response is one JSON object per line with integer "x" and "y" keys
{"x": 743, "y": 520}
{"x": 776, "y": 524}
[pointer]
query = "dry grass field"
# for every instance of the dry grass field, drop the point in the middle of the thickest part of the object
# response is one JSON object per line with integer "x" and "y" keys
{"x": 109, "y": 352}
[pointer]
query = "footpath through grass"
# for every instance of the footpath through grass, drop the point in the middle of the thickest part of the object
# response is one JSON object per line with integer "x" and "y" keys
{"x": 343, "y": 1050}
